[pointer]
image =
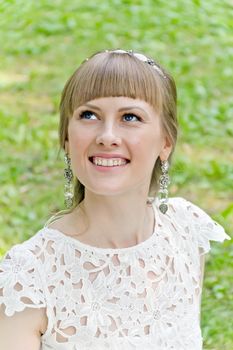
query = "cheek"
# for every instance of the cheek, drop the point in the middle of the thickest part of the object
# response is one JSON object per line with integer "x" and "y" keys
{"x": 150, "y": 142}
{"x": 77, "y": 138}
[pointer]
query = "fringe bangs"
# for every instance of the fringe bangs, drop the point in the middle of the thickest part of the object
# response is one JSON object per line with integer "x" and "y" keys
{"x": 117, "y": 75}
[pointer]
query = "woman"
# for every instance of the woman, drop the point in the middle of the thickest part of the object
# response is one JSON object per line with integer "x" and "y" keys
{"x": 123, "y": 267}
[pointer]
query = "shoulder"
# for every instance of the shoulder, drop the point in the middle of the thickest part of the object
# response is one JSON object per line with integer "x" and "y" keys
{"x": 195, "y": 220}
{"x": 189, "y": 211}
{"x": 68, "y": 223}
{"x": 63, "y": 224}
{"x": 25, "y": 251}
{"x": 180, "y": 204}
{"x": 21, "y": 285}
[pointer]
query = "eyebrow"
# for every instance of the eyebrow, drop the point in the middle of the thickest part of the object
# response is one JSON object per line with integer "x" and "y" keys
{"x": 120, "y": 109}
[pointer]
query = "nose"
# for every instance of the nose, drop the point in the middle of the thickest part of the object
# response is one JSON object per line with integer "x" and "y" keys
{"x": 107, "y": 136}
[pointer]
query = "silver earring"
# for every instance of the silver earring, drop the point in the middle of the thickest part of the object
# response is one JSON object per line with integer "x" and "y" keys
{"x": 164, "y": 181}
{"x": 68, "y": 187}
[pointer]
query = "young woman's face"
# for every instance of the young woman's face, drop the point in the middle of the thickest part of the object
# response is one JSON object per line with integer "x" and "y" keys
{"x": 114, "y": 142}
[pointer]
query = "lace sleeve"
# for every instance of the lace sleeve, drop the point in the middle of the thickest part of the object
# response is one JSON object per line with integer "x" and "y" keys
{"x": 20, "y": 284}
{"x": 203, "y": 227}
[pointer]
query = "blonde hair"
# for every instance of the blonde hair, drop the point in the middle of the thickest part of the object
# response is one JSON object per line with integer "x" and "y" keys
{"x": 110, "y": 73}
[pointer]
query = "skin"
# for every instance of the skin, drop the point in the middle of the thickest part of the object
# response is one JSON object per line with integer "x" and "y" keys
{"x": 23, "y": 330}
{"x": 116, "y": 199}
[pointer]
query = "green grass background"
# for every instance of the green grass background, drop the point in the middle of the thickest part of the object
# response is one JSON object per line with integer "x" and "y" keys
{"x": 42, "y": 43}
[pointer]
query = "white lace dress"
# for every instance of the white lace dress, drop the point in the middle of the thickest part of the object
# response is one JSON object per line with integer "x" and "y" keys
{"x": 141, "y": 297}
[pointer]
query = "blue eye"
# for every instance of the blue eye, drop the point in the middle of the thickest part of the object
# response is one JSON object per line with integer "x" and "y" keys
{"x": 87, "y": 115}
{"x": 130, "y": 117}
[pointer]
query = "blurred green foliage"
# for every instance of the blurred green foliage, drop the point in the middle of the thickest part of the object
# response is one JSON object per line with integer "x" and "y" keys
{"x": 42, "y": 43}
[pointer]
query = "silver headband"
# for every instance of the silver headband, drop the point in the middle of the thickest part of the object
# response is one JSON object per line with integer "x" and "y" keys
{"x": 140, "y": 57}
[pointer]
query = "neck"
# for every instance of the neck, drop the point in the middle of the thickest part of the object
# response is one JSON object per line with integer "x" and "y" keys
{"x": 117, "y": 221}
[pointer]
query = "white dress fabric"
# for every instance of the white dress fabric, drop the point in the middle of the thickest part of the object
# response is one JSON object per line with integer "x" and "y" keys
{"x": 141, "y": 297}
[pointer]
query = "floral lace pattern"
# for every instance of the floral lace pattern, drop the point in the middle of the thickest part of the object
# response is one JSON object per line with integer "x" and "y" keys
{"x": 146, "y": 296}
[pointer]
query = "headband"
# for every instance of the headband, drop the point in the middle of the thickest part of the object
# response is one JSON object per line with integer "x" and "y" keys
{"x": 140, "y": 57}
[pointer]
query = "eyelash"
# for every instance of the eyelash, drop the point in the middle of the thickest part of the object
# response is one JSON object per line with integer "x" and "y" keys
{"x": 84, "y": 113}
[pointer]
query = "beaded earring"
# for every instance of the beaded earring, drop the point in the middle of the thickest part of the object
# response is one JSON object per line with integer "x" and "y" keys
{"x": 68, "y": 187}
{"x": 164, "y": 181}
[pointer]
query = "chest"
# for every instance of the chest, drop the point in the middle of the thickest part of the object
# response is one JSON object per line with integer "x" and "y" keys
{"x": 148, "y": 293}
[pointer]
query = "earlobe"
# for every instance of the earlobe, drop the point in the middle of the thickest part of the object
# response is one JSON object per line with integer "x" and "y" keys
{"x": 166, "y": 150}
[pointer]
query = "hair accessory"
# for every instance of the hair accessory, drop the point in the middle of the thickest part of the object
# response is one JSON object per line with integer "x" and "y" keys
{"x": 68, "y": 187}
{"x": 147, "y": 60}
{"x": 164, "y": 181}
{"x": 140, "y": 57}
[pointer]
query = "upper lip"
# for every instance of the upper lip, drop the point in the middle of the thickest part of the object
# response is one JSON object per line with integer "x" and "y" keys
{"x": 108, "y": 155}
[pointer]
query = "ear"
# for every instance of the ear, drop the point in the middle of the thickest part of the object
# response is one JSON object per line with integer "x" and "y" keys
{"x": 166, "y": 149}
{"x": 67, "y": 146}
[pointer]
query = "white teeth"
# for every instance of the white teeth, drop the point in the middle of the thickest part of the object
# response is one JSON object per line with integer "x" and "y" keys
{"x": 109, "y": 161}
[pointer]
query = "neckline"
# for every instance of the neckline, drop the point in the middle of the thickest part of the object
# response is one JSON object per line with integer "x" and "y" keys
{"x": 92, "y": 248}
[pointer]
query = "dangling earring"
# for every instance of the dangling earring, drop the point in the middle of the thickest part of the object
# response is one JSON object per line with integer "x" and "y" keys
{"x": 164, "y": 181}
{"x": 68, "y": 188}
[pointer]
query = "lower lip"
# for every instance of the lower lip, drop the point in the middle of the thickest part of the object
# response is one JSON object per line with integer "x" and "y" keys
{"x": 105, "y": 169}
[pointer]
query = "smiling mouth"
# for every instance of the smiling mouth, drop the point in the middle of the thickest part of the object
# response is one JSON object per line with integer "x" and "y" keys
{"x": 108, "y": 162}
